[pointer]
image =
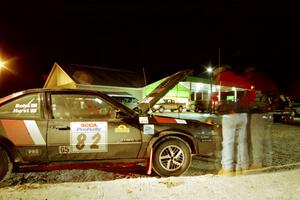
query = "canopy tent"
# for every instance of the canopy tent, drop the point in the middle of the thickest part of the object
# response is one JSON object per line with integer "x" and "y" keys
{"x": 229, "y": 79}
{"x": 261, "y": 83}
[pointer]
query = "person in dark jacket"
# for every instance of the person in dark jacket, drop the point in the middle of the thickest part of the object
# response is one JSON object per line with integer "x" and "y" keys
{"x": 260, "y": 119}
{"x": 260, "y": 122}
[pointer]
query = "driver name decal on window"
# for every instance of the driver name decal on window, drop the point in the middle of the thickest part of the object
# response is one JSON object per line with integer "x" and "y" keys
{"x": 25, "y": 108}
{"x": 88, "y": 137}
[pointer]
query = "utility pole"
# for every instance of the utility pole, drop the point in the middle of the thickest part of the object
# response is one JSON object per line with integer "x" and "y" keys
{"x": 209, "y": 71}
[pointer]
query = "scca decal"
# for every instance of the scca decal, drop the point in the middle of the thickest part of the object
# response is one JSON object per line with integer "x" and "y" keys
{"x": 88, "y": 137}
{"x": 88, "y": 125}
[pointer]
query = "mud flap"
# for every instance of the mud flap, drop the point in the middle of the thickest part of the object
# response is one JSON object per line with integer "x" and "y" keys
{"x": 149, "y": 163}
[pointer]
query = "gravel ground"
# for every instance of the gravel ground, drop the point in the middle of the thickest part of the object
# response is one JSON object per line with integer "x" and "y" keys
{"x": 286, "y": 155}
{"x": 285, "y": 144}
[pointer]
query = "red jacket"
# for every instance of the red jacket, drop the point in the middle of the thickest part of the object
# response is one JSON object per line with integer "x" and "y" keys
{"x": 244, "y": 103}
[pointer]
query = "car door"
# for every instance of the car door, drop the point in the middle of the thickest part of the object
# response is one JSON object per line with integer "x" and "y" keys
{"x": 83, "y": 126}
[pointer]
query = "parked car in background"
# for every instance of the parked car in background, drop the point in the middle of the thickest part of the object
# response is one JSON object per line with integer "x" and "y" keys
{"x": 168, "y": 104}
{"x": 280, "y": 107}
{"x": 57, "y": 127}
{"x": 294, "y": 115}
{"x": 124, "y": 98}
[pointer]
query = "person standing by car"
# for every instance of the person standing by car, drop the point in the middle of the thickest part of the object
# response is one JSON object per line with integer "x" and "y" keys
{"x": 234, "y": 124}
{"x": 260, "y": 133}
{"x": 260, "y": 119}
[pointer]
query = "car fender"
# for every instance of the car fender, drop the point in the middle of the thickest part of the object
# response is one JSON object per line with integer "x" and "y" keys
{"x": 10, "y": 149}
{"x": 170, "y": 134}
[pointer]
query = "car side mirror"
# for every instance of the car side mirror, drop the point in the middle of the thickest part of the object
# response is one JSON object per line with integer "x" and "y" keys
{"x": 137, "y": 110}
{"x": 120, "y": 114}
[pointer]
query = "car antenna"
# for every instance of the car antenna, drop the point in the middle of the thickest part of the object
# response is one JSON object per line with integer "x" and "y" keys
{"x": 145, "y": 82}
{"x": 144, "y": 73}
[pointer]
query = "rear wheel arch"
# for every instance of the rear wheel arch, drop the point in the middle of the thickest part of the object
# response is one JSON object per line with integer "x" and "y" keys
{"x": 11, "y": 150}
{"x": 8, "y": 146}
{"x": 6, "y": 164}
{"x": 180, "y": 136}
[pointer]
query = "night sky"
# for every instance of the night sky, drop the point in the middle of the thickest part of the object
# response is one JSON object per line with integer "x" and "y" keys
{"x": 162, "y": 38}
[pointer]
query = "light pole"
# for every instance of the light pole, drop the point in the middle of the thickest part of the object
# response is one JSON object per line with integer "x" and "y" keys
{"x": 209, "y": 70}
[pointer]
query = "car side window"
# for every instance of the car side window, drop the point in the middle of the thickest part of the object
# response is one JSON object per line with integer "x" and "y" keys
{"x": 78, "y": 106}
{"x": 24, "y": 107}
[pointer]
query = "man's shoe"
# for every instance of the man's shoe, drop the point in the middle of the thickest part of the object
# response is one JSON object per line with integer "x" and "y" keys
{"x": 241, "y": 171}
{"x": 226, "y": 172}
{"x": 238, "y": 172}
{"x": 253, "y": 166}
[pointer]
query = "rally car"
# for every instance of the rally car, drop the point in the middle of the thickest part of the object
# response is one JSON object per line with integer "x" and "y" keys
{"x": 55, "y": 127}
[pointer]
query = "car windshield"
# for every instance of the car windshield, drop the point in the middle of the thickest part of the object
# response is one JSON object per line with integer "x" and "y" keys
{"x": 120, "y": 105}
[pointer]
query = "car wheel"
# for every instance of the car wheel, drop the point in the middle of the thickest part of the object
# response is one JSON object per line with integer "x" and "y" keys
{"x": 5, "y": 165}
{"x": 161, "y": 109}
{"x": 192, "y": 107}
{"x": 180, "y": 109}
{"x": 153, "y": 110}
{"x": 172, "y": 157}
{"x": 197, "y": 109}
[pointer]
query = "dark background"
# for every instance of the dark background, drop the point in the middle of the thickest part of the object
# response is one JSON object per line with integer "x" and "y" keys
{"x": 162, "y": 38}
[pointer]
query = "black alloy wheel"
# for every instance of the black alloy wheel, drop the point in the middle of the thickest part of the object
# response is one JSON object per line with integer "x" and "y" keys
{"x": 172, "y": 157}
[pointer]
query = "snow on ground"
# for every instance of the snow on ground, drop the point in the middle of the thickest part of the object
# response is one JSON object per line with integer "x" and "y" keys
{"x": 279, "y": 181}
{"x": 275, "y": 185}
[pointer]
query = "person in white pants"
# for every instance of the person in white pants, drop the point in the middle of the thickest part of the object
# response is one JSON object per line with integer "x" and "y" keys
{"x": 234, "y": 115}
{"x": 234, "y": 130}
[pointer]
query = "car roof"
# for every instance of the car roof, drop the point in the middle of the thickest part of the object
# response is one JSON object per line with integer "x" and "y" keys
{"x": 143, "y": 106}
{"x": 34, "y": 90}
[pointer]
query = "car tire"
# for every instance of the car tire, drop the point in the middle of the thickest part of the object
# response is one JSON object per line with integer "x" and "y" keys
{"x": 5, "y": 165}
{"x": 180, "y": 109}
{"x": 192, "y": 107}
{"x": 161, "y": 109}
{"x": 172, "y": 157}
{"x": 197, "y": 109}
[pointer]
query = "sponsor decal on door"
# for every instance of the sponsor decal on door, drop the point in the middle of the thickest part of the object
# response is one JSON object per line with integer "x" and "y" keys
{"x": 88, "y": 137}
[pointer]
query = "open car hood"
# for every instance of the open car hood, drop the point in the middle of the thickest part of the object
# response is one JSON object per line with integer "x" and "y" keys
{"x": 162, "y": 89}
